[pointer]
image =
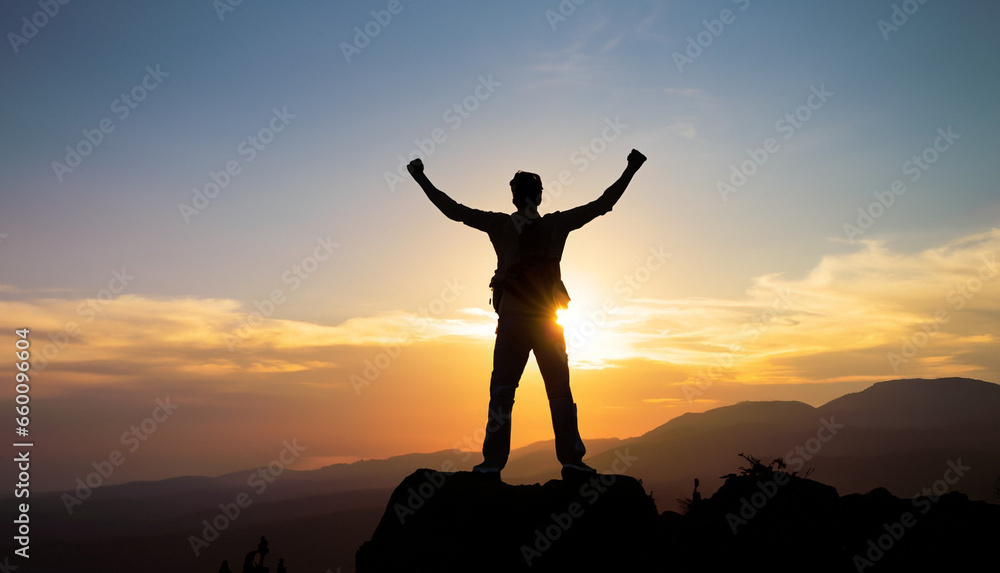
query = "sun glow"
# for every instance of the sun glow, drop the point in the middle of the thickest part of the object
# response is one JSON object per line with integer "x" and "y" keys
{"x": 565, "y": 317}
{"x": 592, "y": 337}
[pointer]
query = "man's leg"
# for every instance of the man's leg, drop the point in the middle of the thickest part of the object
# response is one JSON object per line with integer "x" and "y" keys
{"x": 496, "y": 444}
{"x": 510, "y": 355}
{"x": 550, "y": 352}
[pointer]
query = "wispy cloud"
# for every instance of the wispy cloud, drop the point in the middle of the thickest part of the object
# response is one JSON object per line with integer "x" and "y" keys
{"x": 837, "y": 322}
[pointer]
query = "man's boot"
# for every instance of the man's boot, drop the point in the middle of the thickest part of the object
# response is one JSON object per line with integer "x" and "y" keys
{"x": 569, "y": 447}
{"x": 496, "y": 444}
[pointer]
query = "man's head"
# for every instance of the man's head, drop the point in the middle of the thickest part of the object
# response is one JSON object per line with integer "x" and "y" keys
{"x": 526, "y": 187}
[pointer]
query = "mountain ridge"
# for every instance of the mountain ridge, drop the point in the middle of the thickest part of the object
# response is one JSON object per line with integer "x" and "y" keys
{"x": 871, "y": 451}
{"x": 906, "y": 399}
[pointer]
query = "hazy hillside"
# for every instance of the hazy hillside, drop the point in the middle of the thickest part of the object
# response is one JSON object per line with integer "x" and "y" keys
{"x": 901, "y": 435}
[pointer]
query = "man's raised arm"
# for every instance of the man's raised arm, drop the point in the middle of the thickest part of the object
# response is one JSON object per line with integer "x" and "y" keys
{"x": 580, "y": 216}
{"x": 451, "y": 208}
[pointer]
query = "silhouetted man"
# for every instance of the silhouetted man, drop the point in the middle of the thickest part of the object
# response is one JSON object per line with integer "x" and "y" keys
{"x": 527, "y": 291}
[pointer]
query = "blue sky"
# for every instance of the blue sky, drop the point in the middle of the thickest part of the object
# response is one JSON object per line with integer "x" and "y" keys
{"x": 557, "y": 87}
{"x": 554, "y": 86}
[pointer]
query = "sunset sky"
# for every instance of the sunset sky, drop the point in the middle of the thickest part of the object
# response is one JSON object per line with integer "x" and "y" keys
{"x": 209, "y": 205}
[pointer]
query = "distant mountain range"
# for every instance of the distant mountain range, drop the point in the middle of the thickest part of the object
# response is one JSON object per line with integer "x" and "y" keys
{"x": 900, "y": 435}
